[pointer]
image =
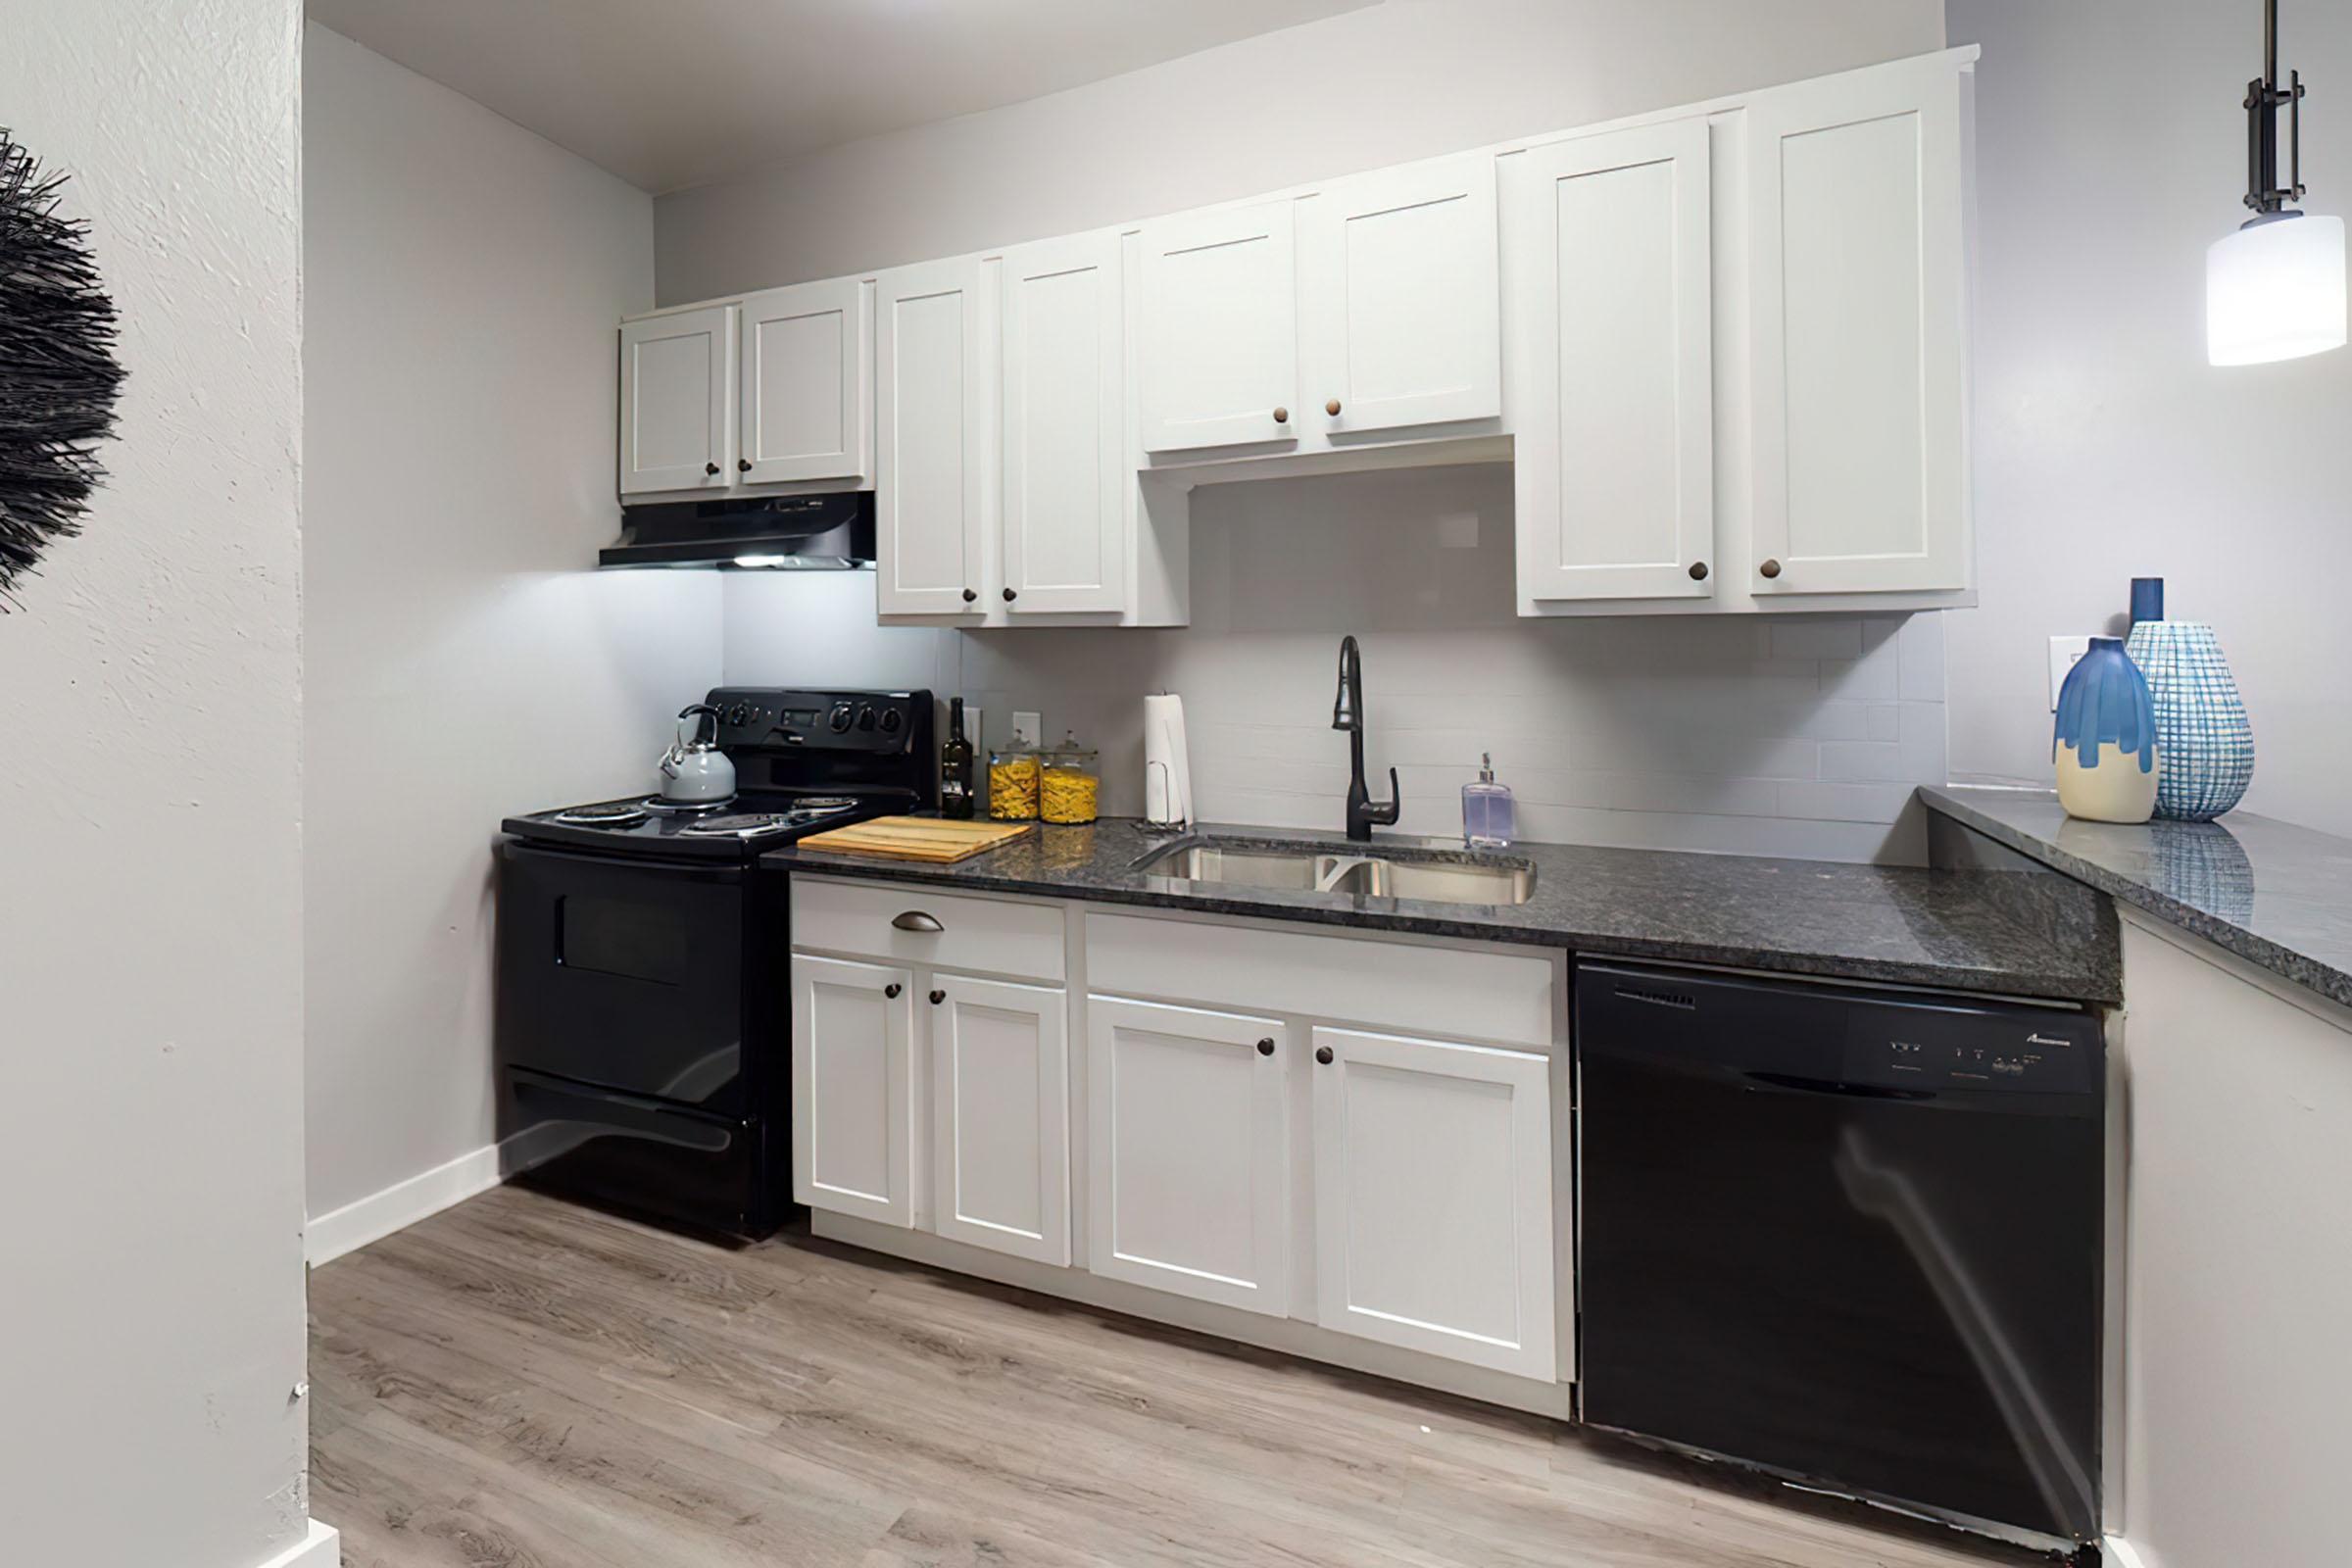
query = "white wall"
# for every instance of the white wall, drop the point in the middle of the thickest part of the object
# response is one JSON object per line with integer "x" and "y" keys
{"x": 463, "y": 663}
{"x": 1728, "y": 735}
{"x": 151, "y": 822}
{"x": 2111, "y": 151}
{"x": 1790, "y": 735}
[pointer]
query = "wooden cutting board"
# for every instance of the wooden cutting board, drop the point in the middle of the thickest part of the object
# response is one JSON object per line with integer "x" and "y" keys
{"x": 917, "y": 838}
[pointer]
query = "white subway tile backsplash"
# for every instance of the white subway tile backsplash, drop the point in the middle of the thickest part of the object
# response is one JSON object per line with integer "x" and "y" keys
{"x": 1799, "y": 736}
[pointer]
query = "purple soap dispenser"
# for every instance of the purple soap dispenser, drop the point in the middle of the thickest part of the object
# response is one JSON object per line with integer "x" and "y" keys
{"x": 1490, "y": 817}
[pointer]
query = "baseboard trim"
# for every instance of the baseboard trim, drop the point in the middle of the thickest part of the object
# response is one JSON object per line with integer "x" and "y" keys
{"x": 320, "y": 1548}
{"x": 420, "y": 1197}
{"x": 2120, "y": 1554}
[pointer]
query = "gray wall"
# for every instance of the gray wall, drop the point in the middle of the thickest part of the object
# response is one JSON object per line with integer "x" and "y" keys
{"x": 463, "y": 281}
{"x": 1801, "y": 739}
{"x": 150, "y": 825}
{"x": 2111, "y": 151}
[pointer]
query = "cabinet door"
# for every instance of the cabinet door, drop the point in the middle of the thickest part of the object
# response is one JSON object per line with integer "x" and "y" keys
{"x": 853, "y": 1097}
{"x": 931, "y": 491}
{"x": 1615, "y": 468}
{"x": 1399, "y": 293}
{"x": 1000, "y": 1116}
{"x": 1188, "y": 1189}
{"x": 1066, "y": 476}
{"x": 805, "y": 355}
{"x": 1433, "y": 1198}
{"x": 1220, "y": 355}
{"x": 677, "y": 415}
{"x": 1856, "y": 294}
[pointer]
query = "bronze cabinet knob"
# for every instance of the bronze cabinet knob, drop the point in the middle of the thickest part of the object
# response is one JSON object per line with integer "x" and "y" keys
{"x": 1010, "y": 594}
{"x": 710, "y": 467}
{"x": 1265, "y": 1047}
{"x": 1698, "y": 571}
{"x": 971, "y": 596}
{"x": 1770, "y": 568}
{"x": 743, "y": 465}
{"x": 1323, "y": 1055}
{"x": 938, "y": 997}
{"x": 892, "y": 989}
{"x": 1282, "y": 416}
{"x": 1332, "y": 407}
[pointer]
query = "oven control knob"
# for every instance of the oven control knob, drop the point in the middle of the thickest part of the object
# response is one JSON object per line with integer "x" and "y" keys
{"x": 865, "y": 718}
{"x": 839, "y": 718}
{"x": 892, "y": 720}
{"x": 738, "y": 713}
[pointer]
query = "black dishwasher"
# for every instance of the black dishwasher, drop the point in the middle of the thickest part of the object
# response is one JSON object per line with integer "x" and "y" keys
{"x": 1849, "y": 1237}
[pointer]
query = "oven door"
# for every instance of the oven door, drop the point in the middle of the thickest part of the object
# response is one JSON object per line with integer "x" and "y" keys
{"x": 624, "y": 974}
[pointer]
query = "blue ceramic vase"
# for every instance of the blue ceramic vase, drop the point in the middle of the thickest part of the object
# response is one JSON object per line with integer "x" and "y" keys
{"x": 2201, "y": 725}
{"x": 2105, "y": 740}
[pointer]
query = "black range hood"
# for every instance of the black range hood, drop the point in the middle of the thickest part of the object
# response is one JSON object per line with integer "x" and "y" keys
{"x": 790, "y": 534}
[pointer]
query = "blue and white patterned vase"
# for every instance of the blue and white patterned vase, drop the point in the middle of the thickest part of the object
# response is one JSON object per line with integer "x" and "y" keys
{"x": 2201, "y": 725}
{"x": 2104, "y": 743}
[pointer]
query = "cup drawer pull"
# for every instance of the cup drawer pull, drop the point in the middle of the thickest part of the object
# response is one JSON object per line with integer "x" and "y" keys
{"x": 918, "y": 920}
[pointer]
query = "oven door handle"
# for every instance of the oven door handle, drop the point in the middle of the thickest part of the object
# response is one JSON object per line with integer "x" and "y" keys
{"x": 675, "y": 870}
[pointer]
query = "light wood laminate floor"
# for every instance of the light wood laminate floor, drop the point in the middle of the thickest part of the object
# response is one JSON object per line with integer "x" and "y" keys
{"x": 517, "y": 1383}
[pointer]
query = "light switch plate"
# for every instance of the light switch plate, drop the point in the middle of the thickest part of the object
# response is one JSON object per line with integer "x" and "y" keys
{"x": 2064, "y": 651}
{"x": 1027, "y": 728}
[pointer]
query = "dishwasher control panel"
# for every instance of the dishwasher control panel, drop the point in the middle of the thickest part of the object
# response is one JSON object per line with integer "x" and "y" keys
{"x": 1963, "y": 1048}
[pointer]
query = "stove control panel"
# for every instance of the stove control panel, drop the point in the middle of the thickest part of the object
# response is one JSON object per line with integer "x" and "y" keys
{"x": 775, "y": 719}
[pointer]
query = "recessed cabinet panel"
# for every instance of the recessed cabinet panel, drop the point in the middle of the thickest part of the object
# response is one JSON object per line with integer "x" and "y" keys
{"x": 805, "y": 404}
{"x": 1220, "y": 359}
{"x": 932, "y": 395}
{"x": 1399, "y": 292}
{"x": 677, "y": 414}
{"x": 1433, "y": 1198}
{"x": 1190, "y": 1176}
{"x": 1066, "y": 476}
{"x": 1000, "y": 1103}
{"x": 1857, "y": 300}
{"x": 1615, "y": 450}
{"x": 853, "y": 1107}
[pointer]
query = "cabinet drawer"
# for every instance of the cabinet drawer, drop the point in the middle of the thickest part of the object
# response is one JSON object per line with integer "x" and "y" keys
{"x": 985, "y": 936}
{"x": 1497, "y": 996}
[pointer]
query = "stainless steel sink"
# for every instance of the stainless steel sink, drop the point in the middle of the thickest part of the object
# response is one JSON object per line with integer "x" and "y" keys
{"x": 1431, "y": 876}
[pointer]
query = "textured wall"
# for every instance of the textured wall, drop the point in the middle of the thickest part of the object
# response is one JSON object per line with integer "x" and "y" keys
{"x": 463, "y": 277}
{"x": 150, "y": 826}
{"x": 2110, "y": 152}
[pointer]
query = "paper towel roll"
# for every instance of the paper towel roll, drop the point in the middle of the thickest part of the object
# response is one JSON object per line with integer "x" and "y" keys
{"x": 1168, "y": 769}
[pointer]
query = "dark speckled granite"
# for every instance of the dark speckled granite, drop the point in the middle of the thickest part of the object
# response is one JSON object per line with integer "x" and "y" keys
{"x": 1915, "y": 927}
{"x": 2274, "y": 894}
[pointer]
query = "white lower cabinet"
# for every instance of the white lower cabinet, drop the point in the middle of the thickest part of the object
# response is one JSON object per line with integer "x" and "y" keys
{"x": 999, "y": 1104}
{"x": 1190, "y": 1179}
{"x": 1433, "y": 1184}
{"x": 853, "y": 1089}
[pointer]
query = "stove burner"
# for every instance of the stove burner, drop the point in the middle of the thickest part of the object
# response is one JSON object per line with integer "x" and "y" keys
{"x": 619, "y": 814}
{"x": 667, "y": 807}
{"x": 739, "y": 825}
{"x": 824, "y": 804}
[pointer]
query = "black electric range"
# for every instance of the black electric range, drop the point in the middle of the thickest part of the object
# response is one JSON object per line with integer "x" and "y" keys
{"x": 644, "y": 1023}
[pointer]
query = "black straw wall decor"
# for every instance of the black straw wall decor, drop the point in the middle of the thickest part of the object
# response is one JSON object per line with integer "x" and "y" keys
{"x": 59, "y": 377}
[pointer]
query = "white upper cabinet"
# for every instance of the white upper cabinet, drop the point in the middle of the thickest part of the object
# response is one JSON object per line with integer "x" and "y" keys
{"x": 933, "y": 400}
{"x": 807, "y": 399}
{"x": 1433, "y": 1198}
{"x": 1857, "y": 289}
{"x": 1220, "y": 356}
{"x": 1615, "y": 427}
{"x": 1067, "y": 473}
{"x": 1398, "y": 297}
{"x": 677, "y": 401}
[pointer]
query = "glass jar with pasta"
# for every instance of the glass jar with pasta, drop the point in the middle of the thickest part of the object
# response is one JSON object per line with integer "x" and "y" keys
{"x": 1071, "y": 782}
{"x": 1012, "y": 783}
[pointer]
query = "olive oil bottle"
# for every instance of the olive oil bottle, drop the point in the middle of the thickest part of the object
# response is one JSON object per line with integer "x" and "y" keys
{"x": 956, "y": 767}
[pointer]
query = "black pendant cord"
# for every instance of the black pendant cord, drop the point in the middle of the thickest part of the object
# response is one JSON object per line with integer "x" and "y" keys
{"x": 59, "y": 375}
{"x": 2264, "y": 98}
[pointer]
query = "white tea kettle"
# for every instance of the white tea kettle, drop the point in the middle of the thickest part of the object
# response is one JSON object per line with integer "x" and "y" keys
{"x": 694, "y": 770}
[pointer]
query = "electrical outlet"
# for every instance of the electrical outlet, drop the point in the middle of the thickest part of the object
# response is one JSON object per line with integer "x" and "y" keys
{"x": 1027, "y": 729}
{"x": 2064, "y": 651}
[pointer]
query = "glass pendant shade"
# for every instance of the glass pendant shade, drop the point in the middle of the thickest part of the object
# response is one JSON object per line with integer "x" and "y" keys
{"x": 2275, "y": 290}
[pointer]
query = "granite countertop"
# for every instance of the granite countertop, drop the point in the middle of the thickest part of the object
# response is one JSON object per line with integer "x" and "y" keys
{"x": 1953, "y": 929}
{"x": 2276, "y": 895}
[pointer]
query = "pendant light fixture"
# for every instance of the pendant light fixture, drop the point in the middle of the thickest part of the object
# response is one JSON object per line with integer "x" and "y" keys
{"x": 2275, "y": 290}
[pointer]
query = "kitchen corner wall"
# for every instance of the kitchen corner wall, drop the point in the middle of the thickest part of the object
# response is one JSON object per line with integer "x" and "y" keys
{"x": 151, "y": 1405}
{"x": 1782, "y": 736}
{"x": 463, "y": 278}
{"x": 1795, "y": 736}
{"x": 2110, "y": 152}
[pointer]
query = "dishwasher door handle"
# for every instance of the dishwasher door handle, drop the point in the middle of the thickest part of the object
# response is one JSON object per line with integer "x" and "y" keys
{"x": 1788, "y": 1083}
